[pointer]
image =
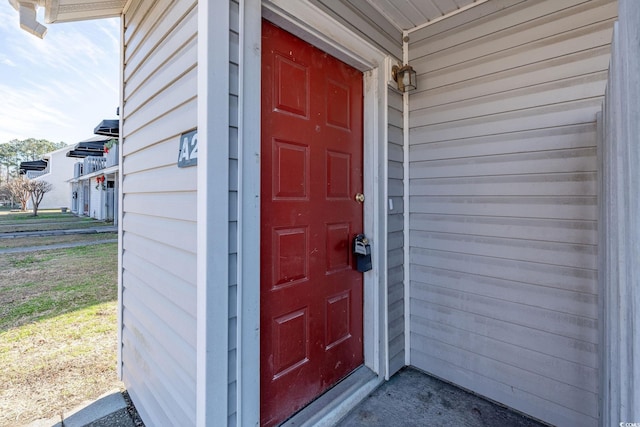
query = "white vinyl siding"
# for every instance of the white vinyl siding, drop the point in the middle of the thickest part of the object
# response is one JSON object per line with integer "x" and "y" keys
{"x": 503, "y": 202}
{"x": 159, "y": 211}
{"x": 395, "y": 234}
{"x": 234, "y": 54}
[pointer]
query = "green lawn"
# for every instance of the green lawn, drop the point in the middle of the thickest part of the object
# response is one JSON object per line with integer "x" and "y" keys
{"x": 57, "y": 330}
{"x": 49, "y": 214}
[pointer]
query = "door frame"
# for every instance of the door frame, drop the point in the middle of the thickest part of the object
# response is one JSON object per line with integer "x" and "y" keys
{"x": 310, "y": 24}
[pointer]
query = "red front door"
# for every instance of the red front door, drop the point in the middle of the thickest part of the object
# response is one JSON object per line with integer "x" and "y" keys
{"x": 311, "y": 296}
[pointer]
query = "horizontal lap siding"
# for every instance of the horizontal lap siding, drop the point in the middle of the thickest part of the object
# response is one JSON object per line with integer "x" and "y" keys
{"x": 395, "y": 245}
{"x": 503, "y": 206}
{"x": 159, "y": 211}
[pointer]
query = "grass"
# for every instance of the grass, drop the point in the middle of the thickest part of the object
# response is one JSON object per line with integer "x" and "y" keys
{"x": 41, "y": 226}
{"x": 20, "y": 242}
{"x": 57, "y": 330}
{"x": 11, "y": 222}
{"x": 48, "y": 214}
{"x": 66, "y": 278}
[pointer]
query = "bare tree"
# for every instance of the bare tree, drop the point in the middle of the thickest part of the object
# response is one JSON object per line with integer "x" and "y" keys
{"x": 37, "y": 190}
{"x": 5, "y": 195}
{"x": 19, "y": 189}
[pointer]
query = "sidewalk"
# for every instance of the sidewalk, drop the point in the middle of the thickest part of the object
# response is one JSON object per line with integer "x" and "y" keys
{"x": 91, "y": 230}
{"x": 54, "y": 246}
{"x": 109, "y": 410}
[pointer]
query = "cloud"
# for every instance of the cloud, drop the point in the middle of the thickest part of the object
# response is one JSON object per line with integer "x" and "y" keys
{"x": 62, "y": 86}
{"x": 26, "y": 112}
{"x": 8, "y": 18}
{"x": 6, "y": 61}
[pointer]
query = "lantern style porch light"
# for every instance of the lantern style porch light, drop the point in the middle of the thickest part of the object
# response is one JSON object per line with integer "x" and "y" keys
{"x": 405, "y": 76}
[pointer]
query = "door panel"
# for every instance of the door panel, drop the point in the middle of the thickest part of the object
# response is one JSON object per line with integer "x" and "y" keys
{"x": 311, "y": 169}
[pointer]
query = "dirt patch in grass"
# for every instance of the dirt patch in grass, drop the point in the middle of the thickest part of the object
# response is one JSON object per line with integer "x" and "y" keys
{"x": 23, "y": 242}
{"x": 57, "y": 330}
{"x": 49, "y": 367}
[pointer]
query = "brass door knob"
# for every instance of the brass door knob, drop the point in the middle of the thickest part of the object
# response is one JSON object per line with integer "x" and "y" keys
{"x": 360, "y": 197}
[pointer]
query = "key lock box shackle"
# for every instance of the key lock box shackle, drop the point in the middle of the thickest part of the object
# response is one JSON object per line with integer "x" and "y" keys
{"x": 361, "y": 246}
{"x": 362, "y": 252}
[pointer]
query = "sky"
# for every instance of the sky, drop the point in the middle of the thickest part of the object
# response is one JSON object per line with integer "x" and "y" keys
{"x": 57, "y": 88}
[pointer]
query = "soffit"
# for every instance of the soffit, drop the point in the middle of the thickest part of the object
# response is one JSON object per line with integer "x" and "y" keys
{"x": 78, "y": 10}
{"x": 407, "y": 14}
{"x": 400, "y": 14}
{"x": 384, "y": 21}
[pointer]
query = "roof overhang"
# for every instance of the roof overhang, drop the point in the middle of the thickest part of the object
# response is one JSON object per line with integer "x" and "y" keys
{"x": 34, "y": 165}
{"x": 396, "y": 17}
{"x": 81, "y": 154}
{"x": 74, "y": 10}
{"x": 110, "y": 127}
{"x": 63, "y": 11}
{"x": 89, "y": 147}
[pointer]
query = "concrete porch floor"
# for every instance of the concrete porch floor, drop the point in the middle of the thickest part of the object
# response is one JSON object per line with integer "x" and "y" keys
{"x": 412, "y": 398}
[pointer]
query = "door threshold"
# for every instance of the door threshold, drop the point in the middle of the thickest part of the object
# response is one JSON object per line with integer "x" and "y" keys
{"x": 333, "y": 405}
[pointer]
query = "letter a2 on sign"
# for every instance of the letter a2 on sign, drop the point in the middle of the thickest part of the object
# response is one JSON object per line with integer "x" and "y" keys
{"x": 188, "y": 152}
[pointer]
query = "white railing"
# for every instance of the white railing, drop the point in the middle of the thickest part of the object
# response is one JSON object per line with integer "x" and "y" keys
{"x": 77, "y": 169}
{"x": 35, "y": 174}
{"x": 112, "y": 156}
{"x": 93, "y": 164}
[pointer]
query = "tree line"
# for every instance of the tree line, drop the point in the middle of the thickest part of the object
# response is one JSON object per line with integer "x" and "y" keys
{"x": 14, "y": 152}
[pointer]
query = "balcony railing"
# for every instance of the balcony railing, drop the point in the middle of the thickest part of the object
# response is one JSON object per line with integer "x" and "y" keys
{"x": 112, "y": 156}
{"x": 93, "y": 164}
{"x": 35, "y": 174}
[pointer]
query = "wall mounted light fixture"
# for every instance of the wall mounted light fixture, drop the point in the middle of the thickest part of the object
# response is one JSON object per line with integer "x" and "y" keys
{"x": 405, "y": 77}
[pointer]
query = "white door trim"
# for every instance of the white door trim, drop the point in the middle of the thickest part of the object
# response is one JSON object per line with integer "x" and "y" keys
{"x": 247, "y": 366}
{"x": 213, "y": 272}
{"x": 316, "y": 27}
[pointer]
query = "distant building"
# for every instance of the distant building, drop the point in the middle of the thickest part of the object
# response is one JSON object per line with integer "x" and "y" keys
{"x": 94, "y": 178}
{"x": 84, "y": 176}
{"x": 56, "y": 168}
